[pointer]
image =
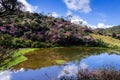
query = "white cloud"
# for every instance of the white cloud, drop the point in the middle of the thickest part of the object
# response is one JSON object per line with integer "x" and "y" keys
{"x": 102, "y": 25}
{"x": 72, "y": 70}
{"x": 54, "y": 14}
{"x": 83, "y": 66}
{"x": 76, "y": 19}
{"x": 5, "y": 75}
{"x": 69, "y": 70}
{"x": 78, "y": 5}
{"x": 28, "y": 7}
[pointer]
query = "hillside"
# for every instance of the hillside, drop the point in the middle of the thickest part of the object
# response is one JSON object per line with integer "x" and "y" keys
{"x": 113, "y": 32}
{"x": 111, "y": 42}
{"x": 25, "y": 29}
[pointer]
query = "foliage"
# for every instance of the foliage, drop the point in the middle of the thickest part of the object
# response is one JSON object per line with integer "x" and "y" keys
{"x": 18, "y": 42}
{"x": 9, "y": 6}
{"x": 6, "y": 40}
{"x": 37, "y": 30}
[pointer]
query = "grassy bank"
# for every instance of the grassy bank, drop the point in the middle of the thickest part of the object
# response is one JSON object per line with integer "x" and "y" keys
{"x": 112, "y": 43}
{"x": 18, "y": 57}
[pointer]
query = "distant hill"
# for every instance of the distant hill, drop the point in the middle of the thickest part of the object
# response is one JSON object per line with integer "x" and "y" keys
{"x": 111, "y": 42}
{"x": 113, "y": 32}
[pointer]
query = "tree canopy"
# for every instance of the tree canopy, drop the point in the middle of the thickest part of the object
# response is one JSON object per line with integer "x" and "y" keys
{"x": 9, "y": 6}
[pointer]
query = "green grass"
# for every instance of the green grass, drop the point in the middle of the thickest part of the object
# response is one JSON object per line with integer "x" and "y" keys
{"x": 24, "y": 51}
{"x": 19, "y": 57}
{"x": 60, "y": 61}
{"x": 112, "y": 43}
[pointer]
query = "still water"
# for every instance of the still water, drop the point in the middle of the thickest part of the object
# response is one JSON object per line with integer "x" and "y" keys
{"x": 75, "y": 61}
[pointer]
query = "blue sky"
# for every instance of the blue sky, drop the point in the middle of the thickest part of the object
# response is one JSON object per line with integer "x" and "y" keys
{"x": 95, "y": 13}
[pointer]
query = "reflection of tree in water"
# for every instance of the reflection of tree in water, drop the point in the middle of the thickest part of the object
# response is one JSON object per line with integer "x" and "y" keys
{"x": 79, "y": 53}
{"x": 48, "y": 57}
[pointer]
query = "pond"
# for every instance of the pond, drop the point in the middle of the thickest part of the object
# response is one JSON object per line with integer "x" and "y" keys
{"x": 41, "y": 64}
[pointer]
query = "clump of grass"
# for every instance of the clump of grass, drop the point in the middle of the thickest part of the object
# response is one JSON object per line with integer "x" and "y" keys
{"x": 100, "y": 74}
{"x": 60, "y": 61}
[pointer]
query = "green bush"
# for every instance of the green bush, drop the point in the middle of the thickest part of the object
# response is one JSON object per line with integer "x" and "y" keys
{"x": 100, "y": 43}
{"x": 6, "y": 40}
{"x": 28, "y": 43}
{"x": 18, "y": 43}
{"x": 41, "y": 44}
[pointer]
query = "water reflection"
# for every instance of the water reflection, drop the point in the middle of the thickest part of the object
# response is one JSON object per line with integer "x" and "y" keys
{"x": 47, "y": 73}
{"x": 47, "y": 57}
{"x": 38, "y": 74}
{"x": 72, "y": 69}
{"x": 102, "y": 60}
{"x": 5, "y": 75}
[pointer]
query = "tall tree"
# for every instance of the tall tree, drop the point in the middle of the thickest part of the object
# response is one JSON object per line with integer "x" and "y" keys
{"x": 9, "y": 6}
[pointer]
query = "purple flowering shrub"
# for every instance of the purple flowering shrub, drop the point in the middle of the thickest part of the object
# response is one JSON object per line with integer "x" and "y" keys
{"x": 41, "y": 28}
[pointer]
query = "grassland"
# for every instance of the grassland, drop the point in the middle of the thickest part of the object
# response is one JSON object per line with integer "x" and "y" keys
{"x": 112, "y": 42}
